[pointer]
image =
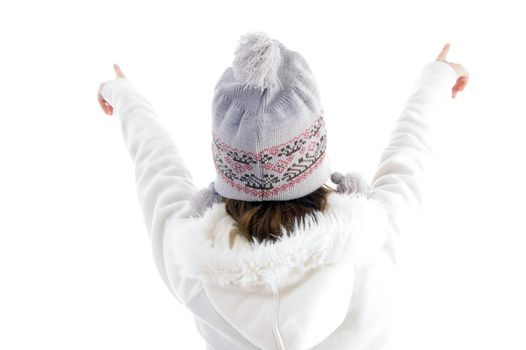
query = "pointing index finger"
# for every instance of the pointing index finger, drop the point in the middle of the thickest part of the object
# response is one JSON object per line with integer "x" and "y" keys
{"x": 442, "y": 55}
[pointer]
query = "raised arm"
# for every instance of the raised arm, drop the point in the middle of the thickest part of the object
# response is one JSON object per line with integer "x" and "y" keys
{"x": 396, "y": 182}
{"x": 164, "y": 185}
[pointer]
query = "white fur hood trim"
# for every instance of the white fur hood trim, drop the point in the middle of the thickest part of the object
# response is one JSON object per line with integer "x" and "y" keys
{"x": 353, "y": 229}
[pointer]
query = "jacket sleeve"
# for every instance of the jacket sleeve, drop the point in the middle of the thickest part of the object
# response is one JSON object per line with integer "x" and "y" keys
{"x": 397, "y": 180}
{"x": 164, "y": 185}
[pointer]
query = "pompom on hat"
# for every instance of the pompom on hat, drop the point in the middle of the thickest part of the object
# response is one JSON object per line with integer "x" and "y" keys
{"x": 269, "y": 140}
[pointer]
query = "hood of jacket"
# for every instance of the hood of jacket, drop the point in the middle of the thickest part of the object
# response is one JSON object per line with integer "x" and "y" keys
{"x": 297, "y": 289}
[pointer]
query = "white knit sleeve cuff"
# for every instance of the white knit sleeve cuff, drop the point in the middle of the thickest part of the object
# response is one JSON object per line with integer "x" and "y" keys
{"x": 110, "y": 87}
{"x": 443, "y": 70}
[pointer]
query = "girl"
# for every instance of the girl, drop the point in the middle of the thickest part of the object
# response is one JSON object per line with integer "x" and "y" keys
{"x": 269, "y": 256}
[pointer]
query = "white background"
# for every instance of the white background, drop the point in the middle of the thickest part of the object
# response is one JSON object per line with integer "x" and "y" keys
{"x": 76, "y": 270}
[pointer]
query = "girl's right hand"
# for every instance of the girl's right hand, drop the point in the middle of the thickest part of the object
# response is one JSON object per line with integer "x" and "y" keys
{"x": 106, "y": 107}
{"x": 462, "y": 73}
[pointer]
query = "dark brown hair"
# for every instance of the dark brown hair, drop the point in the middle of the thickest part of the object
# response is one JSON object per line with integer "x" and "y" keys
{"x": 261, "y": 221}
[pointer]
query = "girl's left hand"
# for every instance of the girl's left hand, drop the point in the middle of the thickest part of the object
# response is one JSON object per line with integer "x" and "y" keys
{"x": 106, "y": 107}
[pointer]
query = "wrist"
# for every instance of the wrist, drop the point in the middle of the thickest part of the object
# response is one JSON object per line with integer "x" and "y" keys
{"x": 109, "y": 86}
{"x": 443, "y": 70}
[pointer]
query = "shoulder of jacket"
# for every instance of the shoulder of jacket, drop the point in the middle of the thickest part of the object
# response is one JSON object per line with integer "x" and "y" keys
{"x": 352, "y": 229}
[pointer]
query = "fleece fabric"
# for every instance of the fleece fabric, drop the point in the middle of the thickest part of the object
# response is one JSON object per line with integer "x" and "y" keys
{"x": 330, "y": 284}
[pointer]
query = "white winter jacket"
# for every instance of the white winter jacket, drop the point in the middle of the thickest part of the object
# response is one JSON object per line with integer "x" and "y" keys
{"x": 328, "y": 285}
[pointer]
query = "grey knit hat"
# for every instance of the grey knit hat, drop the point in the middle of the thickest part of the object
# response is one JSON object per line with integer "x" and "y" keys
{"x": 269, "y": 140}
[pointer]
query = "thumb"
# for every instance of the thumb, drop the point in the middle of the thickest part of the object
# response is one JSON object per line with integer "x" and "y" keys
{"x": 118, "y": 71}
{"x": 442, "y": 55}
